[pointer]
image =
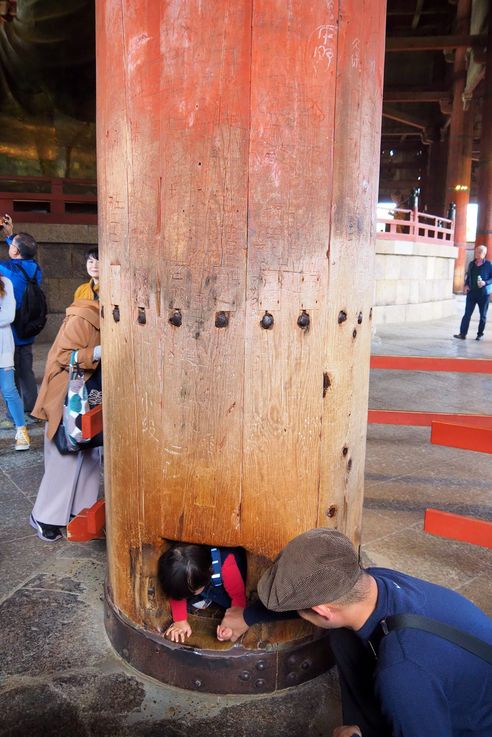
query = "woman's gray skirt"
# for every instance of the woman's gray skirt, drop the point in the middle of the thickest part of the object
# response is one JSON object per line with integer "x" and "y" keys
{"x": 70, "y": 484}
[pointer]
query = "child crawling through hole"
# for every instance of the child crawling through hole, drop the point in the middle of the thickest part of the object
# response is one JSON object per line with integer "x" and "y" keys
{"x": 194, "y": 576}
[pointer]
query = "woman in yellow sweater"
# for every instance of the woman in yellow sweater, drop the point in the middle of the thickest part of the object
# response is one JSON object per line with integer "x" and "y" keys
{"x": 90, "y": 290}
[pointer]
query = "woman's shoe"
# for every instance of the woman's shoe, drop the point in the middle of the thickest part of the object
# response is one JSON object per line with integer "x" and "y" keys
{"x": 22, "y": 439}
{"x": 48, "y": 533}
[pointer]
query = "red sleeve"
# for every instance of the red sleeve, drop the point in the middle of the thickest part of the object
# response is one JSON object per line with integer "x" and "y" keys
{"x": 233, "y": 581}
{"x": 178, "y": 610}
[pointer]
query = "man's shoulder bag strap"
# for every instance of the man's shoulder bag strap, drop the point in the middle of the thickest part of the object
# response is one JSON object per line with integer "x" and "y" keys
{"x": 415, "y": 621}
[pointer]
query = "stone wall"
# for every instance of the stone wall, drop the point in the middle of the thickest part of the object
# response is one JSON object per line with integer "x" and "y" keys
{"x": 61, "y": 256}
{"x": 414, "y": 281}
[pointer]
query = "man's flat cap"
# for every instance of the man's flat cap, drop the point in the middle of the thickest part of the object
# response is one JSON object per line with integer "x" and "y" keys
{"x": 317, "y": 567}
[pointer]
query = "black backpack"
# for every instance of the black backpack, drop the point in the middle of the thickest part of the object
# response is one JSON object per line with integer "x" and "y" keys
{"x": 31, "y": 315}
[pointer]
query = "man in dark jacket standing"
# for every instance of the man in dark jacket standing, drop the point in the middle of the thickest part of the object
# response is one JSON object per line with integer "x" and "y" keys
{"x": 22, "y": 251}
{"x": 478, "y": 286}
{"x": 397, "y": 679}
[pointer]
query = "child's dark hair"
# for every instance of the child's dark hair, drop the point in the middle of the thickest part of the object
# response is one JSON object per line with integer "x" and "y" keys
{"x": 183, "y": 569}
{"x": 92, "y": 253}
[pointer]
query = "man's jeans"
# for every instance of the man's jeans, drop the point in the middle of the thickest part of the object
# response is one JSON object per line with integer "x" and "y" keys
{"x": 24, "y": 376}
{"x": 475, "y": 297}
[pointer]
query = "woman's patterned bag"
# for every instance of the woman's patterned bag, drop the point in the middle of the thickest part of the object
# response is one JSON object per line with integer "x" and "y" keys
{"x": 76, "y": 405}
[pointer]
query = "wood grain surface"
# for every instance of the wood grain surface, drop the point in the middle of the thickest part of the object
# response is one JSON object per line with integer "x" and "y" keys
{"x": 238, "y": 169}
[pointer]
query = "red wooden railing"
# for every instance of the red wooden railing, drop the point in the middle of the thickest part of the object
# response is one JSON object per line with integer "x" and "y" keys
{"x": 49, "y": 200}
{"x": 411, "y": 225}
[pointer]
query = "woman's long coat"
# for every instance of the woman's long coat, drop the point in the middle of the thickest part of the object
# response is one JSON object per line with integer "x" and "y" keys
{"x": 79, "y": 331}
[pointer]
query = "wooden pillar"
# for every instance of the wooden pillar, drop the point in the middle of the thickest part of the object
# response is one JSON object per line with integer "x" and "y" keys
{"x": 238, "y": 155}
{"x": 460, "y": 147}
{"x": 436, "y": 196}
{"x": 484, "y": 223}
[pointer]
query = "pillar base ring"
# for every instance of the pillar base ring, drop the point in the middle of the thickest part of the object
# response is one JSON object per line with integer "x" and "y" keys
{"x": 234, "y": 671}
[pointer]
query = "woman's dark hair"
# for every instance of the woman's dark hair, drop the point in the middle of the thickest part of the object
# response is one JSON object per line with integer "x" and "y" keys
{"x": 92, "y": 253}
{"x": 183, "y": 569}
{"x": 3, "y": 291}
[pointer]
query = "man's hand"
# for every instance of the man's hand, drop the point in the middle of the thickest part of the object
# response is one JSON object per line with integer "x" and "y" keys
{"x": 233, "y": 625}
{"x": 351, "y": 730}
{"x": 466, "y": 289}
{"x": 179, "y": 631}
{"x": 7, "y": 225}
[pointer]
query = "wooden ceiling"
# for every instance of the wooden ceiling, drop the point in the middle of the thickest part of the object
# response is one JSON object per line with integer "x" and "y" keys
{"x": 421, "y": 39}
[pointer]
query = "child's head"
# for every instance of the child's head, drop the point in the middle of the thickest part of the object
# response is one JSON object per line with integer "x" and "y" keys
{"x": 184, "y": 569}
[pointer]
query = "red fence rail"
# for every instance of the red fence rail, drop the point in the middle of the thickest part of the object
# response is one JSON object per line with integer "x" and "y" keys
{"x": 49, "y": 200}
{"x": 411, "y": 225}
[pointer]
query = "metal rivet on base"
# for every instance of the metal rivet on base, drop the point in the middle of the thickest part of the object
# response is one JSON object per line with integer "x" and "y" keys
{"x": 303, "y": 320}
{"x": 267, "y": 321}
{"x": 221, "y": 319}
{"x": 176, "y": 319}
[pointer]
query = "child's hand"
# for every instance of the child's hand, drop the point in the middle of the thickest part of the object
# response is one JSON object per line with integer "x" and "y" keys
{"x": 224, "y": 633}
{"x": 178, "y": 631}
{"x": 233, "y": 625}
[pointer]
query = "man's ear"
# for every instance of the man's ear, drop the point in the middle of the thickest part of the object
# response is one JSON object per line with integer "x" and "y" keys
{"x": 323, "y": 610}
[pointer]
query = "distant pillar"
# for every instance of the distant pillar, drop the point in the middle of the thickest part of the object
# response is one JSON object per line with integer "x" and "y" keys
{"x": 484, "y": 223}
{"x": 460, "y": 147}
{"x": 238, "y": 160}
{"x": 436, "y": 196}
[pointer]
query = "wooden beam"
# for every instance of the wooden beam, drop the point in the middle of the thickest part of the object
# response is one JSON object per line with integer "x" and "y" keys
{"x": 406, "y": 7}
{"x": 389, "y": 165}
{"x": 433, "y": 43}
{"x": 418, "y": 12}
{"x": 424, "y": 419}
{"x": 396, "y": 94}
{"x": 402, "y": 134}
{"x": 466, "y": 437}
{"x": 433, "y": 363}
{"x": 458, "y": 527}
{"x": 402, "y": 116}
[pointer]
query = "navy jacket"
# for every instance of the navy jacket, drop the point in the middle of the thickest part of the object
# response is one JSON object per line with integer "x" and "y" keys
{"x": 426, "y": 685}
{"x": 10, "y": 270}
{"x": 485, "y": 271}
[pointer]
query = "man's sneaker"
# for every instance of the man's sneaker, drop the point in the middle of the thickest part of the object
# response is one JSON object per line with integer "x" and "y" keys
{"x": 22, "y": 440}
{"x": 479, "y": 337}
{"x": 48, "y": 533}
{"x": 460, "y": 336}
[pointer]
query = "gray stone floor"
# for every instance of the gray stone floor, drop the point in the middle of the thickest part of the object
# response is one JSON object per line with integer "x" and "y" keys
{"x": 58, "y": 674}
